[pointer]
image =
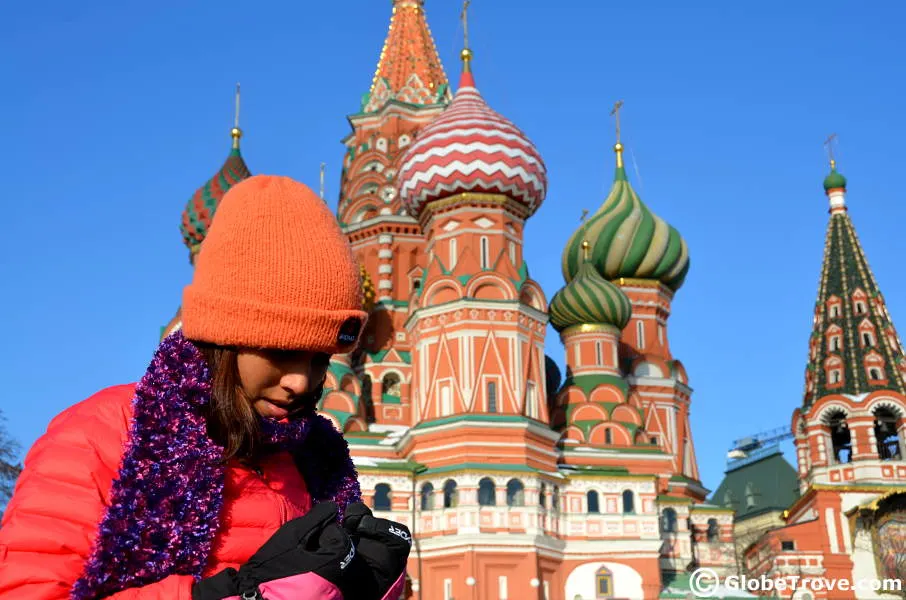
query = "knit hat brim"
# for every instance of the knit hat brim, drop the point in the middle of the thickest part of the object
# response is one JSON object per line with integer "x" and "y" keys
{"x": 211, "y": 318}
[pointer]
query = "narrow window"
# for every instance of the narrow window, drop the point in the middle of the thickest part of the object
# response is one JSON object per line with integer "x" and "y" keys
{"x": 867, "y": 339}
{"x": 486, "y": 492}
{"x": 513, "y": 252}
{"x": 492, "y": 397}
{"x": 382, "y": 497}
{"x": 603, "y": 584}
{"x": 886, "y": 436}
{"x": 835, "y": 311}
{"x": 427, "y": 497}
{"x": 453, "y": 252}
{"x": 835, "y": 376}
{"x": 485, "y": 252}
{"x": 874, "y": 374}
{"x": 592, "y": 500}
{"x": 860, "y": 308}
{"x": 628, "y": 502}
{"x": 451, "y": 496}
{"x": 668, "y": 521}
{"x": 502, "y": 588}
{"x": 640, "y": 334}
{"x": 599, "y": 354}
{"x": 608, "y": 436}
{"x": 448, "y": 589}
{"x": 530, "y": 401}
{"x": 713, "y": 530}
{"x": 515, "y": 493}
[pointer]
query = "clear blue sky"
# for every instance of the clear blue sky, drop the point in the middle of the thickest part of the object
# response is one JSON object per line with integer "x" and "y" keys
{"x": 113, "y": 113}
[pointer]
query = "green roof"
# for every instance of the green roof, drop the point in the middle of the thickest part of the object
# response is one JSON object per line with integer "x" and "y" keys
{"x": 764, "y": 485}
{"x": 590, "y": 382}
{"x": 482, "y": 467}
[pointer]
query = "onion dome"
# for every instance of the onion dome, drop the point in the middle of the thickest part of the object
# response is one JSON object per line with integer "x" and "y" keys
{"x": 834, "y": 180}
{"x": 628, "y": 240}
{"x": 200, "y": 209}
{"x": 471, "y": 148}
{"x": 589, "y": 299}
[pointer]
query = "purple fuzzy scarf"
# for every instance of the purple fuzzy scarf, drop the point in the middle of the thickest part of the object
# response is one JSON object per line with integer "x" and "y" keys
{"x": 166, "y": 502}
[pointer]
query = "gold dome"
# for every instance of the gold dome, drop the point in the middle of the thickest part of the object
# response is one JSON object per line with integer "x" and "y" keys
{"x": 368, "y": 292}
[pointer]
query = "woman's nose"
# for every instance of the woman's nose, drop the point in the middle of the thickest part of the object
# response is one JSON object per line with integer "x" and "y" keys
{"x": 296, "y": 379}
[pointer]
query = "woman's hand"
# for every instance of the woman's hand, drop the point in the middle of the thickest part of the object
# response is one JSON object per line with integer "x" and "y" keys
{"x": 305, "y": 559}
{"x": 382, "y": 550}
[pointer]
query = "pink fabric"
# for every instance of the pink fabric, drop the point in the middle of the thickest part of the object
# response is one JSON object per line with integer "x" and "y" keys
{"x": 396, "y": 590}
{"x": 306, "y": 586}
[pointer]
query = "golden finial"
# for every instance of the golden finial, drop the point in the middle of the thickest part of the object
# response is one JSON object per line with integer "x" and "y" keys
{"x": 466, "y": 54}
{"x": 585, "y": 244}
{"x": 829, "y": 144}
{"x": 618, "y": 147}
{"x": 236, "y": 132}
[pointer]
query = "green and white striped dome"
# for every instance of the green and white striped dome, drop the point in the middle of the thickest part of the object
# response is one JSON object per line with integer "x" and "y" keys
{"x": 628, "y": 240}
{"x": 589, "y": 299}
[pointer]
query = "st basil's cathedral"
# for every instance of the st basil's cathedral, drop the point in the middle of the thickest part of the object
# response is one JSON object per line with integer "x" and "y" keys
{"x": 518, "y": 481}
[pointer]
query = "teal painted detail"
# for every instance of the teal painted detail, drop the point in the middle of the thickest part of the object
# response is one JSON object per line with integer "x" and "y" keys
{"x": 590, "y": 382}
{"x": 390, "y": 399}
{"x": 481, "y": 468}
{"x": 472, "y": 418}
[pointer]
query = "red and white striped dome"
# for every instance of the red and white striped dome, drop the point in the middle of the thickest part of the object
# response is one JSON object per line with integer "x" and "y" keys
{"x": 471, "y": 148}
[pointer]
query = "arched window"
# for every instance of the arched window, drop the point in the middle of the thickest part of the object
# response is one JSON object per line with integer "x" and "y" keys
{"x": 860, "y": 307}
{"x": 874, "y": 373}
{"x": 841, "y": 441}
{"x": 713, "y": 530}
{"x": 451, "y": 495}
{"x": 382, "y": 499}
{"x": 833, "y": 343}
{"x": 542, "y": 496}
{"x": 492, "y": 396}
{"x": 603, "y": 584}
{"x": 515, "y": 493}
{"x": 487, "y": 493}
{"x": 390, "y": 385}
{"x": 592, "y": 500}
{"x": 427, "y": 496}
{"x": 750, "y": 495}
{"x": 485, "y": 252}
{"x": 886, "y": 436}
{"x": 835, "y": 311}
{"x": 608, "y": 436}
{"x": 555, "y": 498}
{"x": 668, "y": 521}
{"x": 628, "y": 501}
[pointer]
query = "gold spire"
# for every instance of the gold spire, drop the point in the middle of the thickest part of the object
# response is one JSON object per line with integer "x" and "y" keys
{"x": 585, "y": 244}
{"x": 829, "y": 144}
{"x": 618, "y": 147}
{"x": 466, "y": 54}
{"x": 236, "y": 132}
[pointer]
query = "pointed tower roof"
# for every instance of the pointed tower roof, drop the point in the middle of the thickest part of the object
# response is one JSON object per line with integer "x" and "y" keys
{"x": 854, "y": 347}
{"x": 409, "y": 69}
{"x": 627, "y": 239}
{"x": 200, "y": 209}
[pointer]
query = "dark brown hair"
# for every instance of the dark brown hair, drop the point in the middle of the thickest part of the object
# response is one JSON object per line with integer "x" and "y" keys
{"x": 232, "y": 421}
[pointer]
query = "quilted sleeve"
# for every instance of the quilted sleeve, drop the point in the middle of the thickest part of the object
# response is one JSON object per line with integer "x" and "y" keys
{"x": 50, "y": 523}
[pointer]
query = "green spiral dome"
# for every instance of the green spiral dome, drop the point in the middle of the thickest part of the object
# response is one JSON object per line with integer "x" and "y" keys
{"x": 589, "y": 299}
{"x": 628, "y": 240}
{"x": 834, "y": 180}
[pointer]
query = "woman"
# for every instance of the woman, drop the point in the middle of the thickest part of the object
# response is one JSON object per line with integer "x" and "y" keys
{"x": 200, "y": 480}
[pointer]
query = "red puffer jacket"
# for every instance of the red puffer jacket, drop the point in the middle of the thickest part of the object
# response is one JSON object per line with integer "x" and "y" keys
{"x": 51, "y": 523}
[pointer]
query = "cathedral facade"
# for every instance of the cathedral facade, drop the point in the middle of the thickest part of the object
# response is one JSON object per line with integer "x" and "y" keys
{"x": 517, "y": 481}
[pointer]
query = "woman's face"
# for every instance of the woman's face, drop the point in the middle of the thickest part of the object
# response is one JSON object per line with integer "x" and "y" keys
{"x": 281, "y": 382}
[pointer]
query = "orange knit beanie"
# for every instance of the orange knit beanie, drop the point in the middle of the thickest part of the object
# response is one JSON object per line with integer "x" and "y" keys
{"x": 275, "y": 271}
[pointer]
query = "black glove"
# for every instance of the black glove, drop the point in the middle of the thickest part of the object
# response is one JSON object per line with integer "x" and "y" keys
{"x": 298, "y": 561}
{"x": 382, "y": 549}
